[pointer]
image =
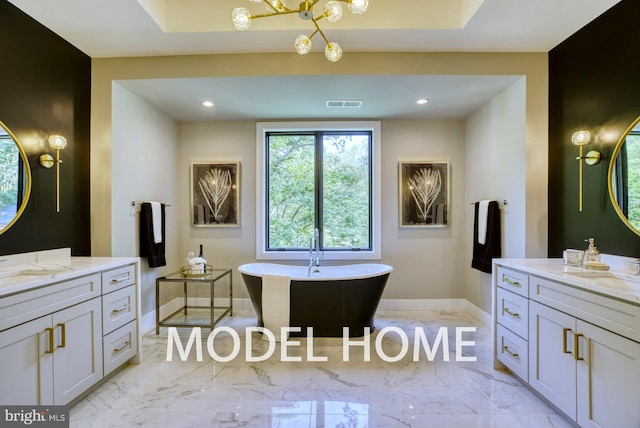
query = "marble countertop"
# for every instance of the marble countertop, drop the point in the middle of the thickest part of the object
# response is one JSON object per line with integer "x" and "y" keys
{"x": 617, "y": 282}
{"x": 20, "y": 273}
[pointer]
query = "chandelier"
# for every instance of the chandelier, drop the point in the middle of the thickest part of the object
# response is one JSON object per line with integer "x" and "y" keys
{"x": 242, "y": 19}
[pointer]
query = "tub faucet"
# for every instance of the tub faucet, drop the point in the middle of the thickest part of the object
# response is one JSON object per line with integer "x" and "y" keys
{"x": 314, "y": 250}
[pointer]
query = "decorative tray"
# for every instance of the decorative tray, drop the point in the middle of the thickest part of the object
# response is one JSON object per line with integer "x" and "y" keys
{"x": 598, "y": 266}
{"x": 187, "y": 271}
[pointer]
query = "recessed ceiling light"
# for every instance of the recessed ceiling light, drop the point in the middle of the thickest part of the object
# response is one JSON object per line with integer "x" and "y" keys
{"x": 207, "y": 103}
{"x": 422, "y": 101}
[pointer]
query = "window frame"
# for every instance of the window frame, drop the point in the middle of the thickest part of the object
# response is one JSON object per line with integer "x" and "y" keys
{"x": 262, "y": 128}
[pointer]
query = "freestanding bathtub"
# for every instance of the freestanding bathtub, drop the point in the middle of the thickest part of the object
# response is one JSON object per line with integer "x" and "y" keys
{"x": 326, "y": 298}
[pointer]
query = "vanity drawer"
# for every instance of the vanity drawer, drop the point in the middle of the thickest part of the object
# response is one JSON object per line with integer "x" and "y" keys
{"x": 118, "y": 278}
{"x": 118, "y": 308}
{"x": 513, "y": 280}
{"x": 513, "y": 312}
{"x": 615, "y": 315}
{"x": 513, "y": 352}
{"x": 23, "y": 307}
{"x": 119, "y": 346}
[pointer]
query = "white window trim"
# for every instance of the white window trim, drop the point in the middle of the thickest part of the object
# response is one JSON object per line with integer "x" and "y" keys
{"x": 376, "y": 245}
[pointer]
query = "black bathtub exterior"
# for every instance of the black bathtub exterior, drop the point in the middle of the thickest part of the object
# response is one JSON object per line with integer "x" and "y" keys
{"x": 327, "y": 306}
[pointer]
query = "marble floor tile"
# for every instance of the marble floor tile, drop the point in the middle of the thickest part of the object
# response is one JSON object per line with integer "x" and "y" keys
{"x": 364, "y": 392}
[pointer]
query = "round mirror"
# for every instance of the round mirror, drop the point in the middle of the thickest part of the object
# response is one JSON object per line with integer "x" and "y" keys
{"x": 15, "y": 179}
{"x": 624, "y": 177}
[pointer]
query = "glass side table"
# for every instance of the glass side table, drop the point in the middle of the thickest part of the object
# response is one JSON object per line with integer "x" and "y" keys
{"x": 179, "y": 317}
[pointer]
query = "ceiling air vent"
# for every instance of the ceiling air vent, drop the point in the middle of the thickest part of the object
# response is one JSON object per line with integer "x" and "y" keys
{"x": 344, "y": 104}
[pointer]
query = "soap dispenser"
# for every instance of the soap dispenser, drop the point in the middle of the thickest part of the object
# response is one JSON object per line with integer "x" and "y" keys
{"x": 591, "y": 254}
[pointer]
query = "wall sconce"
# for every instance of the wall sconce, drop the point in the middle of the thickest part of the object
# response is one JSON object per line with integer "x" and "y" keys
{"x": 580, "y": 138}
{"x": 57, "y": 142}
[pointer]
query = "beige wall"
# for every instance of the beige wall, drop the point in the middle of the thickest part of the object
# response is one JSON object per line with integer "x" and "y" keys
{"x": 533, "y": 66}
{"x": 424, "y": 260}
{"x": 495, "y": 154}
{"x": 143, "y": 152}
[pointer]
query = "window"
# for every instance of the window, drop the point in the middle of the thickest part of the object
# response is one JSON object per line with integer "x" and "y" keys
{"x": 318, "y": 176}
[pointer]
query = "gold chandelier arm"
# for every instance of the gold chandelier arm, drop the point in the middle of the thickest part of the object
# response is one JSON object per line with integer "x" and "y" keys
{"x": 266, "y": 15}
{"x": 318, "y": 30}
{"x": 270, "y": 6}
{"x": 276, "y": 11}
{"x": 313, "y": 34}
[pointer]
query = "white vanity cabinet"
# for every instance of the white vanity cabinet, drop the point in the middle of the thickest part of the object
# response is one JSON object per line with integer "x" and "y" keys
{"x": 583, "y": 349}
{"x": 52, "y": 337}
{"x": 119, "y": 317}
{"x": 512, "y": 318}
{"x": 77, "y": 350}
{"x": 27, "y": 363}
{"x": 553, "y": 369}
{"x": 65, "y": 345}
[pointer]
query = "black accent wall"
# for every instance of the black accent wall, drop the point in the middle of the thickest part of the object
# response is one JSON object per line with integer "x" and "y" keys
{"x": 594, "y": 84}
{"x": 45, "y": 88}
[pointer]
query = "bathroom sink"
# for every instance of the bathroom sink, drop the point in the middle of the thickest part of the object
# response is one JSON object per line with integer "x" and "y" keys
{"x": 618, "y": 284}
{"x": 592, "y": 274}
{"x": 618, "y": 281}
{"x": 18, "y": 273}
{"x": 45, "y": 271}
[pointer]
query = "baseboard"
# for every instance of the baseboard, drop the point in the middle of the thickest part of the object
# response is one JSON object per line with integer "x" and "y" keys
{"x": 421, "y": 305}
{"x": 148, "y": 322}
{"x": 436, "y": 305}
{"x": 485, "y": 318}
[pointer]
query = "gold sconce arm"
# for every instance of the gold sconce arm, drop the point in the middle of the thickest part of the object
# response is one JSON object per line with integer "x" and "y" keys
{"x": 57, "y": 142}
{"x": 593, "y": 157}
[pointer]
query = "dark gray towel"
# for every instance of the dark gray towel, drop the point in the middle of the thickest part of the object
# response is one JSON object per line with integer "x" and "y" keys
{"x": 148, "y": 248}
{"x": 484, "y": 254}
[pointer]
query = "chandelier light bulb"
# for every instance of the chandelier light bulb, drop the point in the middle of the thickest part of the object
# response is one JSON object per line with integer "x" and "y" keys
{"x": 303, "y": 44}
{"x": 278, "y": 5}
{"x": 255, "y": 1}
{"x": 358, "y": 7}
{"x": 333, "y": 11}
{"x": 333, "y": 52}
{"x": 241, "y": 18}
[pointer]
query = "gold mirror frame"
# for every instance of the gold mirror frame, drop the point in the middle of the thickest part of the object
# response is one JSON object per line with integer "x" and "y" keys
{"x": 612, "y": 164}
{"x": 27, "y": 173}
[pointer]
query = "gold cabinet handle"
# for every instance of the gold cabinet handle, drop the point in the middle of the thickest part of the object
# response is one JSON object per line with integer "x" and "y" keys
{"x": 510, "y": 281}
{"x": 125, "y": 307}
{"x": 564, "y": 340}
{"x": 126, "y": 345}
{"x": 513, "y": 314}
{"x": 63, "y": 340}
{"x": 576, "y": 347}
{"x": 50, "y": 331}
{"x": 509, "y": 351}
{"x": 118, "y": 280}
